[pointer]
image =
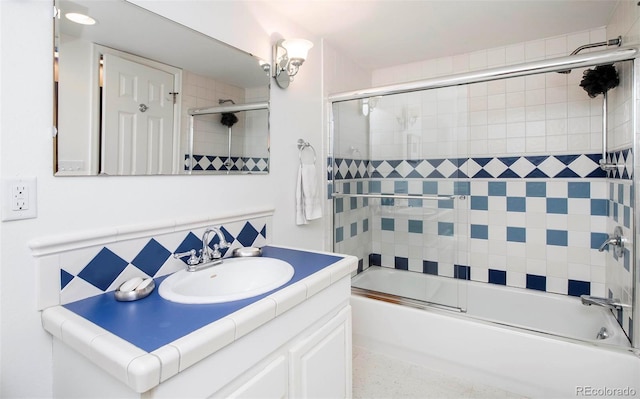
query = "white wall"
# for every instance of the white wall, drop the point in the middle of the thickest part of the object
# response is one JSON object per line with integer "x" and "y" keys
{"x": 73, "y": 204}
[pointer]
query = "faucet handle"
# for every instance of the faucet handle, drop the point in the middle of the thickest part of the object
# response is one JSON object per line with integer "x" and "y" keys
{"x": 194, "y": 259}
{"x": 216, "y": 251}
{"x": 617, "y": 240}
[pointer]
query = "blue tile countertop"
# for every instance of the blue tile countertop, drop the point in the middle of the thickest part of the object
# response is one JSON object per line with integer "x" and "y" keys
{"x": 131, "y": 339}
{"x": 153, "y": 322}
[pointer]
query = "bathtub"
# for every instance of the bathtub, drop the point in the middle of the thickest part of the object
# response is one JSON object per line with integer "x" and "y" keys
{"x": 531, "y": 343}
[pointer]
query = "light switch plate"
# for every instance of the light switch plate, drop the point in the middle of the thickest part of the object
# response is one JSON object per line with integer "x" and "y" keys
{"x": 19, "y": 198}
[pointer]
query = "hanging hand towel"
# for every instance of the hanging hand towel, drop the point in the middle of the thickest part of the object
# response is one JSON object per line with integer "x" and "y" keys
{"x": 308, "y": 205}
{"x": 300, "y": 219}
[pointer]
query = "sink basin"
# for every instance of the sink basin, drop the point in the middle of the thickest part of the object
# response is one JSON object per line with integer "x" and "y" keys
{"x": 234, "y": 279}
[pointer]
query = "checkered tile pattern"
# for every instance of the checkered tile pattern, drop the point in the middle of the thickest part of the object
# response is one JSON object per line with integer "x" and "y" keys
{"x": 217, "y": 163}
{"x": 100, "y": 269}
{"x": 530, "y": 167}
{"x": 540, "y": 234}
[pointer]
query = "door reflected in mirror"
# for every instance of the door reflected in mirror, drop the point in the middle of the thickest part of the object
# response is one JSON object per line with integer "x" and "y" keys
{"x": 128, "y": 103}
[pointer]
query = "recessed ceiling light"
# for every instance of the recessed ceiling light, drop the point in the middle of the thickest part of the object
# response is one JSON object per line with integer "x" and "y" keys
{"x": 80, "y": 18}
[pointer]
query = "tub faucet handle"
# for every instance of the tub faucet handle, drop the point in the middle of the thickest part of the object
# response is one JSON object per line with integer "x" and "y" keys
{"x": 617, "y": 240}
{"x": 610, "y": 241}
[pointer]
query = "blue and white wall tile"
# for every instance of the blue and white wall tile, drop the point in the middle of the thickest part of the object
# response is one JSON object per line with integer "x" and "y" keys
{"x": 527, "y": 151}
{"x": 218, "y": 163}
{"x": 80, "y": 270}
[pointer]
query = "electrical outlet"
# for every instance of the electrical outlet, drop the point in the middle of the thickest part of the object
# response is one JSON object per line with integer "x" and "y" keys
{"x": 19, "y": 198}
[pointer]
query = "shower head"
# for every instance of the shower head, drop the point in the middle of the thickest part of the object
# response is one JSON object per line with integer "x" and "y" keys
{"x": 611, "y": 42}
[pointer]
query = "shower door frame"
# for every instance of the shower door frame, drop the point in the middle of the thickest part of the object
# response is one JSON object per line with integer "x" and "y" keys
{"x": 627, "y": 53}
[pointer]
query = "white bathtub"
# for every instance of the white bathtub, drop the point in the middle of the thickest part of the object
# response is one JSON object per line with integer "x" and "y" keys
{"x": 531, "y": 343}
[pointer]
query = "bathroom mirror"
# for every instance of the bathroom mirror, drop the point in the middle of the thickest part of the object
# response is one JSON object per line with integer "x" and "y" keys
{"x": 138, "y": 94}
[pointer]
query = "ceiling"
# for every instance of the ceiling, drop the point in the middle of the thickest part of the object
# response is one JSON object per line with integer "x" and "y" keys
{"x": 134, "y": 30}
{"x": 380, "y": 33}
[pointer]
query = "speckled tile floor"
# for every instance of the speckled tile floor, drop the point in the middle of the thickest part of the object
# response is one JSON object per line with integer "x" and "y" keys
{"x": 377, "y": 376}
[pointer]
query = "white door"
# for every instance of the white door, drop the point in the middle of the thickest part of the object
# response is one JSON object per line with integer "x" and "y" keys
{"x": 137, "y": 115}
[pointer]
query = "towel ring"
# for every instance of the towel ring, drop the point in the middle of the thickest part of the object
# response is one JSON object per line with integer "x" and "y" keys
{"x": 302, "y": 145}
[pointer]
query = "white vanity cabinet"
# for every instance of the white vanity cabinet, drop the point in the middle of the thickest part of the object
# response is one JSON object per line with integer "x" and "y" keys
{"x": 311, "y": 366}
{"x": 303, "y": 352}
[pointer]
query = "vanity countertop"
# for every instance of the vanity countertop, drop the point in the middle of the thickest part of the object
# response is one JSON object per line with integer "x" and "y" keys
{"x": 145, "y": 342}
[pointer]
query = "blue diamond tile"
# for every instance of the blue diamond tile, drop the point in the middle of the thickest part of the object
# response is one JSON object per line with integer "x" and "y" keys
{"x": 566, "y": 159}
{"x": 151, "y": 258}
{"x": 508, "y": 161}
{"x": 190, "y": 242}
{"x": 103, "y": 269}
{"x": 65, "y": 278}
{"x": 482, "y": 161}
{"x": 394, "y": 175}
{"x": 537, "y": 173}
{"x": 566, "y": 172}
{"x": 507, "y": 174}
{"x": 435, "y": 174}
{"x": 597, "y": 173}
{"x": 394, "y": 163}
{"x": 482, "y": 174}
{"x": 247, "y": 235}
{"x": 537, "y": 160}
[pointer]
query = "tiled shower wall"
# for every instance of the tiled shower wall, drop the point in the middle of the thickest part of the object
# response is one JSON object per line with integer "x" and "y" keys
{"x": 521, "y": 156}
{"x": 249, "y": 146}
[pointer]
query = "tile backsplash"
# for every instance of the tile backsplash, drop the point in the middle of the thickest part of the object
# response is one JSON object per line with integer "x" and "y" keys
{"x": 73, "y": 269}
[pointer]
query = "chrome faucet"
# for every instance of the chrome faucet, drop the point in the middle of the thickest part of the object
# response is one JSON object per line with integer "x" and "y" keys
{"x": 206, "y": 258}
{"x": 611, "y": 303}
{"x": 207, "y": 255}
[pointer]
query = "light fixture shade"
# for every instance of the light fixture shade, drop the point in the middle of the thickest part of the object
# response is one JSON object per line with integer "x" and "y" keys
{"x": 297, "y": 48}
{"x": 81, "y": 19}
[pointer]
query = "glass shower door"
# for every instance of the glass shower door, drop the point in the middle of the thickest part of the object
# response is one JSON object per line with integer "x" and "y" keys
{"x": 399, "y": 204}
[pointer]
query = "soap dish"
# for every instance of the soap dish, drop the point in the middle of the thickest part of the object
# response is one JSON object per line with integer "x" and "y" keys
{"x": 141, "y": 290}
{"x": 247, "y": 252}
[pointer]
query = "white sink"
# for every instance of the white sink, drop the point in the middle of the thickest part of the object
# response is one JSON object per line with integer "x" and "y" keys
{"x": 234, "y": 279}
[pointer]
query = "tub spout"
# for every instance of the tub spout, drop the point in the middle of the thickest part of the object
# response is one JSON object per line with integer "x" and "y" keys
{"x": 612, "y": 303}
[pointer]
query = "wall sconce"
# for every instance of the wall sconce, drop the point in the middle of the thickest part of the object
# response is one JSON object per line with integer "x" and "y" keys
{"x": 288, "y": 55}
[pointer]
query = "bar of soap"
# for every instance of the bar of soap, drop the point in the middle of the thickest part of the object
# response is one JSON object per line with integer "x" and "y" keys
{"x": 130, "y": 285}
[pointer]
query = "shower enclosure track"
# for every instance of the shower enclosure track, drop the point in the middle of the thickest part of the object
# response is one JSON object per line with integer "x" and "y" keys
{"x": 396, "y": 196}
{"x": 511, "y": 71}
{"x": 228, "y": 108}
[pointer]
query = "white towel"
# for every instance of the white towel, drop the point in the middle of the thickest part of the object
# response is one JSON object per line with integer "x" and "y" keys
{"x": 307, "y": 200}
